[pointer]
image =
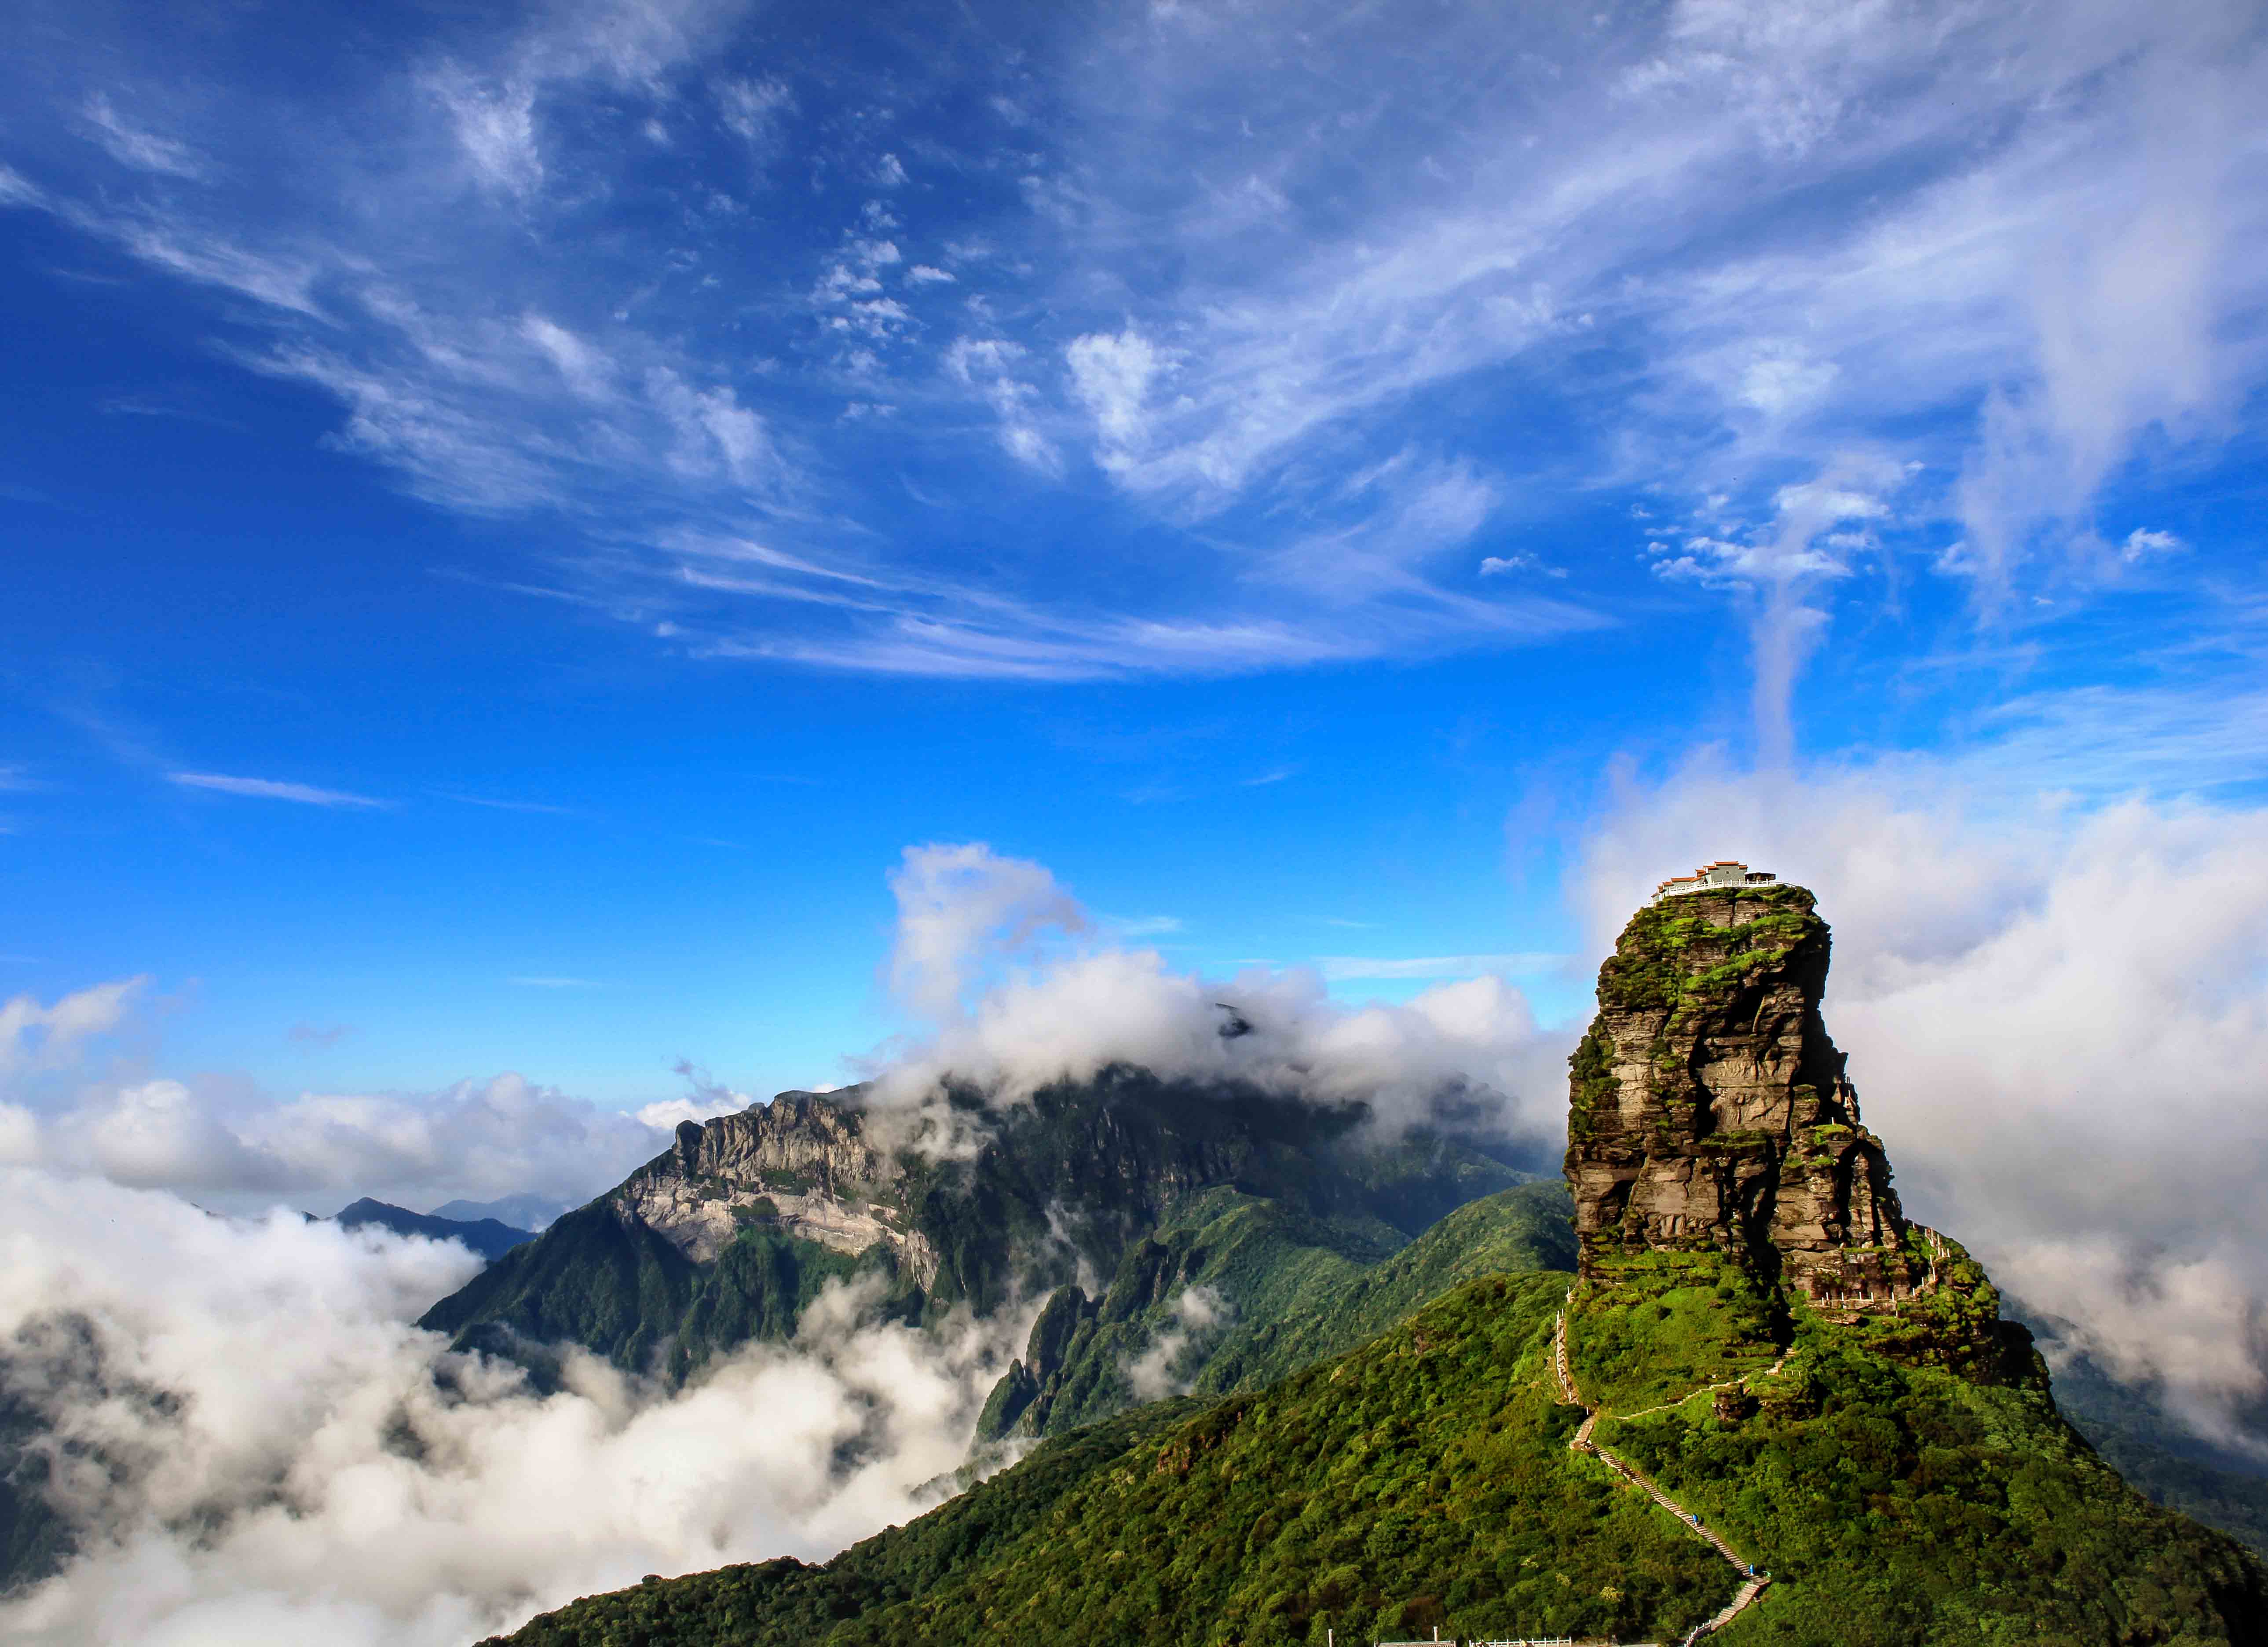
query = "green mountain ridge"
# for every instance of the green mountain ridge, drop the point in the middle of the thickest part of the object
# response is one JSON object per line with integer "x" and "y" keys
{"x": 1425, "y": 1479}
{"x": 1285, "y": 1294}
{"x": 727, "y": 1236}
{"x": 2159, "y": 1458}
{"x": 1757, "y": 1339}
{"x": 489, "y": 1237}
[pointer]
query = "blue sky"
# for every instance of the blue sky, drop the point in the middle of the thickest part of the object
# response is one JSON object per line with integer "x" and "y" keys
{"x": 518, "y": 516}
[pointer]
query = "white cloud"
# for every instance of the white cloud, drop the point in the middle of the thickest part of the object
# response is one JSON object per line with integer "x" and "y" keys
{"x": 991, "y": 952}
{"x": 1518, "y": 965}
{"x": 2141, "y": 544}
{"x": 284, "y": 279}
{"x": 989, "y": 365}
{"x": 15, "y": 189}
{"x": 959, "y": 906}
{"x": 1779, "y": 379}
{"x": 1928, "y": 233}
{"x": 68, "y": 1110}
{"x": 495, "y": 125}
{"x": 1498, "y": 565}
{"x": 1154, "y": 1374}
{"x": 270, "y": 789}
{"x": 754, "y": 109}
{"x": 143, "y": 150}
{"x": 586, "y": 369}
{"x": 261, "y": 1448}
{"x": 1142, "y": 926}
{"x": 1113, "y": 375}
{"x": 669, "y": 1114}
{"x": 33, "y": 1036}
{"x": 717, "y": 436}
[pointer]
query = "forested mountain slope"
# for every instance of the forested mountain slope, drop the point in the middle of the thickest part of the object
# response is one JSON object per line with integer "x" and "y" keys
{"x": 1237, "y": 1293}
{"x": 1424, "y": 1478}
{"x": 727, "y": 1235}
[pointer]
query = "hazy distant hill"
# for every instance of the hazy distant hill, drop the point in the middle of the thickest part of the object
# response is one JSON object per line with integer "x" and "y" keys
{"x": 2160, "y": 1458}
{"x": 522, "y": 1212}
{"x": 485, "y": 1235}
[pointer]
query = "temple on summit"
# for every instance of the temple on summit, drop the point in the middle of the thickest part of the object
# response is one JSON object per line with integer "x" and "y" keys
{"x": 1711, "y": 877}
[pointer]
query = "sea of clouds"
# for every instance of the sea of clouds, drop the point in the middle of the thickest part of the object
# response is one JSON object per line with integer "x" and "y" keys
{"x": 2055, "y": 1015}
{"x": 258, "y": 1444}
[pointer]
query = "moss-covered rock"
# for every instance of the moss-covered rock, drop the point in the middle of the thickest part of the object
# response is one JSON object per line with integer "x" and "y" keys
{"x": 1709, "y": 1111}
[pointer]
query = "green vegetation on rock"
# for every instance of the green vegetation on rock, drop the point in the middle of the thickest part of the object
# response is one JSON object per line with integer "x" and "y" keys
{"x": 625, "y": 1293}
{"x": 2160, "y": 1458}
{"x": 1278, "y": 1290}
{"x": 1651, "y": 967}
{"x": 1892, "y": 1502}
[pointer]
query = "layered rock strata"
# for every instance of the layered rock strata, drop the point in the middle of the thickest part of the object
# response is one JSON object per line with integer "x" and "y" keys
{"x": 801, "y": 1164}
{"x": 1709, "y": 1110}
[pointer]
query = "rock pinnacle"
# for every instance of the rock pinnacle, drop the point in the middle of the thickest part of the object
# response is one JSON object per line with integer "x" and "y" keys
{"x": 1708, "y": 1110}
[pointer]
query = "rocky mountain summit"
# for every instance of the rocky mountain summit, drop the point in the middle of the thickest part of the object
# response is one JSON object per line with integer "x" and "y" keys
{"x": 727, "y": 1235}
{"x": 1710, "y": 1112}
{"x": 800, "y": 1163}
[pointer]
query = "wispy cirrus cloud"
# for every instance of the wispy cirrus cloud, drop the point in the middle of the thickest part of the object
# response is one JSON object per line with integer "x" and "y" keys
{"x": 1340, "y": 969}
{"x": 15, "y": 189}
{"x": 130, "y": 145}
{"x": 272, "y": 790}
{"x": 448, "y": 351}
{"x": 1255, "y": 352}
{"x": 491, "y": 804}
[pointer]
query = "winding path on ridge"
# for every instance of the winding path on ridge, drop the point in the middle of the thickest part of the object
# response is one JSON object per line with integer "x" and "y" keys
{"x": 1754, "y": 1585}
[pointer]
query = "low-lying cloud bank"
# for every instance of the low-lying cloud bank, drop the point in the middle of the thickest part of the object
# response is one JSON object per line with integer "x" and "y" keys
{"x": 64, "y": 1104}
{"x": 264, "y": 1449}
{"x": 2056, "y": 1018}
{"x": 260, "y": 1445}
{"x": 1018, "y": 991}
{"x": 1011, "y": 986}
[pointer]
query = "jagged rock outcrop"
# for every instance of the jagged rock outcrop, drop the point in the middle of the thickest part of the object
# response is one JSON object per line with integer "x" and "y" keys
{"x": 1709, "y": 1110}
{"x": 731, "y": 1233}
{"x": 1027, "y": 1390}
{"x": 800, "y": 1163}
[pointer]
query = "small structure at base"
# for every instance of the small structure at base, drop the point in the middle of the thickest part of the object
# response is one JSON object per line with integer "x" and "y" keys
{"x": 1718, "y": 877}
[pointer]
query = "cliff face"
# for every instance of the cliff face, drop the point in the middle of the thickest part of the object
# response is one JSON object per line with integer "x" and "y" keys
{"x": 1709, "y": 1110}
{"x": 732, "y": 1231}
{"x": 800, "y": 1163}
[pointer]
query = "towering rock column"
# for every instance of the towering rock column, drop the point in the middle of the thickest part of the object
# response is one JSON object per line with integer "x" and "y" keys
{"x": 1710, "y": 1110}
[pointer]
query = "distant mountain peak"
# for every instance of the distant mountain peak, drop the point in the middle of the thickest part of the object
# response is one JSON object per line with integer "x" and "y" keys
{"x": 801, "y": 1164}
{"x": 485, "y": 1236}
